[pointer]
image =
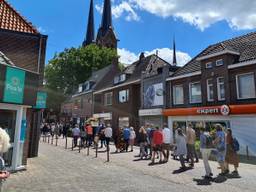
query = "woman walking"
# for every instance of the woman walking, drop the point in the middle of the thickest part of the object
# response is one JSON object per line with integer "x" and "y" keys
{"x": 231, "y": 155}
{"x": 181, "y": 147}
{"x": 220, "y": 143}
{"x": 132, "y": 137}
{"x": 142, "y": 140}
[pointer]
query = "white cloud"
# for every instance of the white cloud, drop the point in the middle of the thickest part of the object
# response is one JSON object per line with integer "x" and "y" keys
{"x": 41, "y": 30}
{"x": 239, "y": 14}
{"x": 124, "y": 8}
{"x": 128, "y": 57}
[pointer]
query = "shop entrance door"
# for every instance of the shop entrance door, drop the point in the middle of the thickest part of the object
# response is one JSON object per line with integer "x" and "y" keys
{"x": 8, "y": 122}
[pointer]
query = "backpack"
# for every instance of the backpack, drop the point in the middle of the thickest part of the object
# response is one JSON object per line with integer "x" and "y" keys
{"x": 236, "y": 145}
{"x": 208, "y": 141}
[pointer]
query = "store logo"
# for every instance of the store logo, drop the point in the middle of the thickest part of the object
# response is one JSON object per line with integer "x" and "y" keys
{"x": 208, "y": 111}
{"x": 14, "y": 85}
{"x": 225, "y": 110}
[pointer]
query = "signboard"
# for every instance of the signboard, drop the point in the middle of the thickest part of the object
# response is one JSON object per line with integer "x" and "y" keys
{"x": 153, "y": 95}
{"x": 41, "y": 100}
{"x": 14, "y": 86}
{"x": 150, "y": 112}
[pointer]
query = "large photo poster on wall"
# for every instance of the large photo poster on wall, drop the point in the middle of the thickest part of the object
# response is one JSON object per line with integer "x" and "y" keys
{"x": 153, "y": 95}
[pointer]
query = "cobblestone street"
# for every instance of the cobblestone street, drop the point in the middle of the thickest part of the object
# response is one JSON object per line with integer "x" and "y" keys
{"x": 60, "y": 169}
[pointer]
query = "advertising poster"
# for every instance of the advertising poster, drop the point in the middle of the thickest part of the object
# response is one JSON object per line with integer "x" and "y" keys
{"x": 153, "y": 95}
{"x": 41, "y": 100}
{"x": 14, "y": 85}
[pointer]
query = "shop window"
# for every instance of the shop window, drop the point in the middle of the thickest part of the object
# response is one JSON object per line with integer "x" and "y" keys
{"x": 108, "y": 98}
{"x": 178, "y": 95}
{"x": 210, "y": 93}
{"x": 195, "y": 92}
{"x": 221, "y": 88}
{"x": 208, "y": 65}
{"x": 123, "y": 96}
{"x": 219, "y": 62}
{"x": 245, "y": 86}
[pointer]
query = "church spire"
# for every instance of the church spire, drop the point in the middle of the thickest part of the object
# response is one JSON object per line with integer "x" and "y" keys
{"x": 174, "y": 61}
{"x": 90, "y": 27}
{"x": 106, "y": 22}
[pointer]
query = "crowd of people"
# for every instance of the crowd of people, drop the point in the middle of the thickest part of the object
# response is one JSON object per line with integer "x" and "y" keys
{"x": 159, "y": 142}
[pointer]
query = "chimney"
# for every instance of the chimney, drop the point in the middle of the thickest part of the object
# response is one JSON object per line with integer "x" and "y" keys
{"x": 142, "y": 56}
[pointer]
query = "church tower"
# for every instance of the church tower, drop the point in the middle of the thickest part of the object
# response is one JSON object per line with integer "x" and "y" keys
{"x": 90, "y": 27}
{"x": 106, "y": 36}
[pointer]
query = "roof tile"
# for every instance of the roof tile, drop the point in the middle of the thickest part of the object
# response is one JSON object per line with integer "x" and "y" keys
{"x": 10, "y": 19}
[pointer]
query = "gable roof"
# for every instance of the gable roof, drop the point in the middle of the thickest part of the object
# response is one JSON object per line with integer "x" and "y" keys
{"x": 245, "y": 45}
{"x": 134, "y": 72}
{"x": 95, "y": 78}
{"x": 4, "y": 60}
{"x": 10, "y": 19}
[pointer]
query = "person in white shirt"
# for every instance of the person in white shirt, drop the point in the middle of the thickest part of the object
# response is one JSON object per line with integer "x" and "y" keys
{"x": 132, "y": 137}
{"x": 167, "y": 140}
{"x": 108, "y": 134}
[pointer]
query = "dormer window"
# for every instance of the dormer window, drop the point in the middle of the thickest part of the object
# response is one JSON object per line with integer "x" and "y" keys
{"x": 208, "y": 65}
{"x": 120, "y": 78}
{"x": 80, "y": 88}
{"x": 219, "y": 62}
{"x": 86, "y": 86}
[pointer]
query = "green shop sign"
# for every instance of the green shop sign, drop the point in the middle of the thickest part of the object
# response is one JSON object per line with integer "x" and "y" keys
{"x": 41, "y": 100}
{"x": 14, "y": 85}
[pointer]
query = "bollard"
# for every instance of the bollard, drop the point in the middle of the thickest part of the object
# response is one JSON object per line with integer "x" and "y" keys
{"x": 247, "y": 152}
{"x": 48, "y": 138}
{"x": 79, "y": 146}
{"x": 66, "y": 143}
{"x": 107, "y": 153}
{"x": 96, "y": 155}
{"x": 56, "y": 142}
{"x": 88, "y": 150}
{"x": 52, "y": 140}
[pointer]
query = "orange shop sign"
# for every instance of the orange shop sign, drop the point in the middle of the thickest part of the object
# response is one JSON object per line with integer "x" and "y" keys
{"x": 214, "y": 110}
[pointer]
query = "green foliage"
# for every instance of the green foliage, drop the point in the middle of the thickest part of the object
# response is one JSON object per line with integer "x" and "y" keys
{"x": 74, "y": 66}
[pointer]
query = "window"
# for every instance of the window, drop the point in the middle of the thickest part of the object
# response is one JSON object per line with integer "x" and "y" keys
{"x": 208, "y": 65}
{"x": 123, "y": 96}
{"x": 221, "y": 88}
{"x": 178, "y": 95}
{"x": 210, "y": 93}
{"x": 219, "y": 62}
{"x": 195, "y": 92}
{"x": 87, "y": 86}
{"x": 108, "y": 98}
{"x": 80, "y": 88}
{"x": 116, "y": 80}
{"x": 245, "y": 86}
{"x": 120, "y": 78}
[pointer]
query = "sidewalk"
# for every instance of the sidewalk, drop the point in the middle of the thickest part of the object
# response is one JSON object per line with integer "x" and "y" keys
{"x": 191, "y": 177}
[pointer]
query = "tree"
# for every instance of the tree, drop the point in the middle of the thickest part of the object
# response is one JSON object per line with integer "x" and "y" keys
{"x": 74, "y": 66}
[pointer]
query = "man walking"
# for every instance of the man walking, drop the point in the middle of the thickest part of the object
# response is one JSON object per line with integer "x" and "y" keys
{"x": 206, "y": 147}
{"x": 108, "y": 132}
{"x": 76, "y": 134}
{"x": 191, "y": 138}
{"x": 167, "y": 140}
{"x": 126, "y": 133}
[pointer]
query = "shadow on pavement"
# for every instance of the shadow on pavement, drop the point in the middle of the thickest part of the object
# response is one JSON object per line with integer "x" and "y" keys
{"x": 209, "y": 181}
{"x": 181, "y": 170}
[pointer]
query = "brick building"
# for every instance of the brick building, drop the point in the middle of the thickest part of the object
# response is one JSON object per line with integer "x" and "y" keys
{"x": 217, "y": 86}
{"x": 23, "y": 48}
{"x": 118, "y": 100}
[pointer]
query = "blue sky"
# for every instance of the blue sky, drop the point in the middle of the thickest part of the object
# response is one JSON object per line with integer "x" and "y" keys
{"x": 143, "y": 25}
